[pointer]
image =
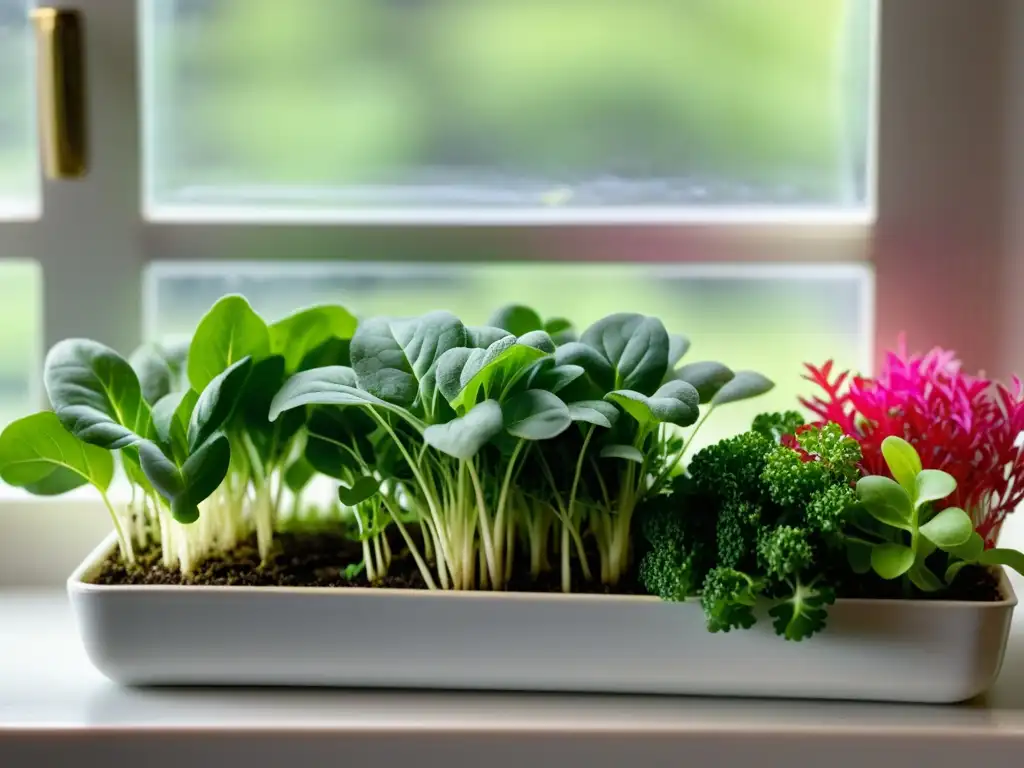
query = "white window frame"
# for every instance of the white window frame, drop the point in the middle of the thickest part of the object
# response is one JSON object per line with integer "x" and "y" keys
{"x": 938, "y": 242}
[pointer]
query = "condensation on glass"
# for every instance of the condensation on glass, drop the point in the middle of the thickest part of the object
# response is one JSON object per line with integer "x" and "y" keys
{"x": 767, "y": 318}
{"x": 20, "y": 334}
{"x": 669, "y": 108}
{"x": 19, "y": 177}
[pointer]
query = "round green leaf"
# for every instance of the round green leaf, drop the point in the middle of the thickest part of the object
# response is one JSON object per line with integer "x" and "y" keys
{"x": 299, "y": 334}
{"x": 627, "y": 452}
{"x": 678, "y": 346}
{"x": 597, "y": 412}
{"x": 39, "y": 455}
{"x": 192, "y": 482}
{"x": 298, "y": 475}
{"x": 970, "y": 549}
{"x": 396, "y": 359}
{"x": 953, "y": 569}
{"x": 333, "y": 385}
{"x": 949, "y": 528}
{"x": 362, "y": 489}
{"x": 707, "y": 377}
{"x": 637, "y": 347}
{"x": 922, "y": 578}
{"x": 890, "y": 561}
{"x": 932, "y": 485}
{"x": 463, "y": 437}
{"x": 858, "y": 555}
{"x": 517, "y": 319}
{"x": 903, "y": 462}
{"x": 230, "y": 331}
{"x": 96, "y": 394}
{"x": 1003, "y": 556}
{"x": 536, "y": 415}
{"x": 154, "y": 372}
{"x": 217, "y": 402}
{"x": 743, "y": 386}
{"x": 675, "y": 402}
{"x": 886, "y": 500}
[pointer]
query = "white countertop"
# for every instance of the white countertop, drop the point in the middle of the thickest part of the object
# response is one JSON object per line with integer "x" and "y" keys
{"x": 54, "y": 706}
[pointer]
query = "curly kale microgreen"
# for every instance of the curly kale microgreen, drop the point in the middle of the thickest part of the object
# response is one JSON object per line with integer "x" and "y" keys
{"x": 771, "y": 515}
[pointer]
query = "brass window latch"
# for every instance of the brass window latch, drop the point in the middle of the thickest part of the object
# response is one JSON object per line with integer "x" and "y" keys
{"x": 60, "y": 78}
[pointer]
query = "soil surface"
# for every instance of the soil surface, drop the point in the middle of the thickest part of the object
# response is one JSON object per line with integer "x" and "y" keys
{"x": 305, "y": 560}
{"x": 319, "y": 561}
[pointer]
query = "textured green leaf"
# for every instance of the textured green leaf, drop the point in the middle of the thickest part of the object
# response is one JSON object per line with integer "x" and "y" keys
{"x": 464, "y": 375}
{"x": 903, "y": 462}
{"x": 598, "y": 412}
{"x": 707, "y": 377}
{"x": 743, "y": 386}
{"x": 482, "y": 336}
{"x": 599, "y": 376}
{"x": 546, "y": 374}
{"x": 96, "y": 394}
{"x": 38, "y": 454}
{"x": 230, "y": 331}
{"x": 299, "y": 334}
{"x": 678, "y": 346}
{"x": 890, "y": 561}
{"x": 536, "y": 415}
{"x": 395, "y": 360}
{"x": 464, "y": 436}
{"x": 675, "y": 402}
{"x": 886, "y": 500}
{"x": 334, "y": 385}
{"x": 950, "y": 528}
{"x": 635, "y": 346}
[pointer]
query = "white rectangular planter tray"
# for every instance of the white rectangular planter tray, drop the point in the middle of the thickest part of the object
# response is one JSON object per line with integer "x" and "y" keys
{"x": 915, "y": 651}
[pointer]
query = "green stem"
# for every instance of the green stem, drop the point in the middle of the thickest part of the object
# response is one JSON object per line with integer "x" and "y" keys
{"x": 125, "y": 542}
{"x": 485, "y": 529}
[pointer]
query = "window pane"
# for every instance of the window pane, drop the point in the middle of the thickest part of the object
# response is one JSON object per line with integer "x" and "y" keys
{"x": 19, "y": 186}
{"x": 677, "y": 108}
{"x": 20, "y": 334}
{"x": 770, "y": 319}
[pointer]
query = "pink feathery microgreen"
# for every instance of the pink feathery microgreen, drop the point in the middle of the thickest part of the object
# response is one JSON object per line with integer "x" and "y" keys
{"x": 968, "y": 426}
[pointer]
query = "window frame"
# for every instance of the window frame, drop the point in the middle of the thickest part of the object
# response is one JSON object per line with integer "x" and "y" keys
{"x": 938, "y": 153}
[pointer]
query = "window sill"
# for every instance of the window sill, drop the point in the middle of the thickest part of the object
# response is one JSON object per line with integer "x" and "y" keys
{"x": 55, "y": 708}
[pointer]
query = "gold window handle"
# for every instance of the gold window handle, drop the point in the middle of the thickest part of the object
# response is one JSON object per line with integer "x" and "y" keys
{"x": 61, "y": 92}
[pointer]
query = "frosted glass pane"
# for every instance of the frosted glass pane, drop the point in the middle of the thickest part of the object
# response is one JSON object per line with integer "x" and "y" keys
{"x": 19, "y": 186}
{"x": 20, "y": 333}
{"x": 769, "y": 319}
{"x": 506, "y": 105}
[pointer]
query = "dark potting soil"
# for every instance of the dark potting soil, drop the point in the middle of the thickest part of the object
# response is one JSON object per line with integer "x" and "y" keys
{"x": 319, "y": 560}
{"x": 308, "y": 560}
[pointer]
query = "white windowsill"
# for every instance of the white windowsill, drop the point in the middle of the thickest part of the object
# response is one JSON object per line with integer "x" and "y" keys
{"x": 55, "y": 709}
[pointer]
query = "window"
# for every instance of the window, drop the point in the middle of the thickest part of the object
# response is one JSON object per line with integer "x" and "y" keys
{"x": 511, "y": 110}
{"x": 19, "y": 186}
{"x": 782, "y": 179}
